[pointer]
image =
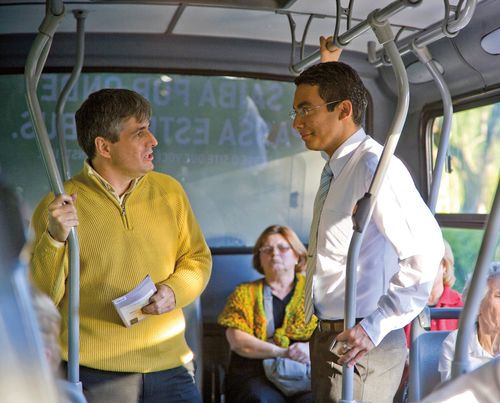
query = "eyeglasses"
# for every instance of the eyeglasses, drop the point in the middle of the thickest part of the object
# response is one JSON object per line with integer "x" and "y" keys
{"x": 303, "y": 112}
{"x": 269, "y": 249}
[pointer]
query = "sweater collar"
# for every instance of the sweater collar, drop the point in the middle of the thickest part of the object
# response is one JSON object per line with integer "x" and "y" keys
{"x": 92, "y": 173}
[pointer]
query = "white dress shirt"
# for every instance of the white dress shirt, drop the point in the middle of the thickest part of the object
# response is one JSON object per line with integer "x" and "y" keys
{"x": 401, "y": 249}
{"x": 477, "y": 354}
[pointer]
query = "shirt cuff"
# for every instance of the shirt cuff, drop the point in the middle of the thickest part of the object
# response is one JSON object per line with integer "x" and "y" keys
{"x": 376, "y": 326}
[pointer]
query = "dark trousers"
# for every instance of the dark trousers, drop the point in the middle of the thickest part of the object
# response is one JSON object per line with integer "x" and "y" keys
{"x": 376, "y": 375}
{"x": 246, "y": 382}
{"x": 174, "y": 385}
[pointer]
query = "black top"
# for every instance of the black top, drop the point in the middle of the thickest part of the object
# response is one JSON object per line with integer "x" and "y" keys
{"x": 244, "y": 366}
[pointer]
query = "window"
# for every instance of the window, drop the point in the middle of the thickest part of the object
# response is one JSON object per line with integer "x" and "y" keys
{"x": 229, "y": 141}
{"x": 469, "y": 182}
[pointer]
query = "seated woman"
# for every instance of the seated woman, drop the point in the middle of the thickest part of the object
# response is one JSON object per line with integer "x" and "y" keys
{"x": 442, "y": 295}
{"x": 280, "y": 256}
{"x": 485, "y": 341}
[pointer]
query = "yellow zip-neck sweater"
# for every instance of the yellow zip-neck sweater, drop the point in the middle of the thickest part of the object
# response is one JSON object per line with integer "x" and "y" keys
{"x": 153, "y": 232}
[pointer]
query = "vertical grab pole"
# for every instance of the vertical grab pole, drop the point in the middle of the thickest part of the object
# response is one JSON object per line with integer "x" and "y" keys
{"x": 460, "y": 364}
{"x": 80, "y": 16}
{"x": 33, "y": 69}
{"x": 365, "y": 205}
{"x": 425, "y": 58}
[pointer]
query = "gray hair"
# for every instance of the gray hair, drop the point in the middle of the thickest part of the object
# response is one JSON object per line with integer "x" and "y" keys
{"x": 493, "y": 272}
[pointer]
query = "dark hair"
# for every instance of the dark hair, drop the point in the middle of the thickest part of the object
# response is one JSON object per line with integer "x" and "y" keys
{"x": 337, "y": 81}
{"x": 290, "y": 236}
{"x": 103, "y": 113}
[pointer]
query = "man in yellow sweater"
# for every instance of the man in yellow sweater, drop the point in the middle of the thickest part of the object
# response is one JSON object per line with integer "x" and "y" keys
{"x": 131, "y": 222}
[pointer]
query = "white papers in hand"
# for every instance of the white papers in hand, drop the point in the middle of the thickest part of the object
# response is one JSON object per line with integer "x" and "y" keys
{"x": 129, "y": 305}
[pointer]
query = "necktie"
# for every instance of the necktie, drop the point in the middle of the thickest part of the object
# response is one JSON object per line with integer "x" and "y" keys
{"x": 324, "y": 186}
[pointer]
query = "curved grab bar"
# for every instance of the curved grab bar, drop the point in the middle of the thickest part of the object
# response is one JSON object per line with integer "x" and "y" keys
{"x": 365, "y": 205}
{"x": 344, "y": 39}
{"x": 432, "y": 33}
{"x": 80, "y": 16}
{"x": 34, "y": 65}
{"x": 425, "y": 58}
{"x": 460, "y": 364}
{"x": 463, "y": 19}
{"x": 55, "y": 7}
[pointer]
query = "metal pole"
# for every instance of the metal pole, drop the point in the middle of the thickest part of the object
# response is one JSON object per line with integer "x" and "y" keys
{"x": 80, "y": 16}
{"x": 425, "y": 58}
{"x": 364, "y": 207}
{"x": 344, "y": 39}
{"x": 460, "y": 364}
{"x": 32, "y": 72}
{"x": 433, "y": 33}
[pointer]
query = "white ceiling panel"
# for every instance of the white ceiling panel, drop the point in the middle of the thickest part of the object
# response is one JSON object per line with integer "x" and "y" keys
{"x": 263, "y": 25}
{"x": 216, "y": 21}
{"x": 106, "y": 18}
{"x": 260, "y": 25}
{"x": 428, "y": 12}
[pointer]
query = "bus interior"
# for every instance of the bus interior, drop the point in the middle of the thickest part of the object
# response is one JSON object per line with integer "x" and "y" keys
{"x": 219, "y": 75}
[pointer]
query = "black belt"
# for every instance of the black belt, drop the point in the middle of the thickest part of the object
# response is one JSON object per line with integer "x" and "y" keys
{"x": 334, "y": 326}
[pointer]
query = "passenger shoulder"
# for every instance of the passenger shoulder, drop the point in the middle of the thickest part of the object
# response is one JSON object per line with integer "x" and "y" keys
{"x": 164, "y": 181}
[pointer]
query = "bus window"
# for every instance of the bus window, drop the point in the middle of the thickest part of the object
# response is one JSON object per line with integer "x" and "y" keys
{"x": 228, "y": 140}
{"x": 469, "y": 182}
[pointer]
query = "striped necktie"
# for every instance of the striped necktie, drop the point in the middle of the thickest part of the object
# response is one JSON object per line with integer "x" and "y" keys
{"x": 324, "y": 186}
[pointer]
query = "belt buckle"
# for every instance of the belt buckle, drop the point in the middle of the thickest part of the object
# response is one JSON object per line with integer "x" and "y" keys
{"x": 324, "y": 326}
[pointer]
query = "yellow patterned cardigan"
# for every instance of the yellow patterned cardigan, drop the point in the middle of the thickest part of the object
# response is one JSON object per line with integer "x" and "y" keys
{"x": 244, "y": 311}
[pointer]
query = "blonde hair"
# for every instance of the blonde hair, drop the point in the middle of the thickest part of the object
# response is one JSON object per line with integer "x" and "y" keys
{"x": 49, "y": 320}
{"x": 448, "y": 263}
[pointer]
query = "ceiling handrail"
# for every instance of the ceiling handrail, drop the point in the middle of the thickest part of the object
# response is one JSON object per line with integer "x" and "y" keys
{"x": 432, "y": 33}
{"x": 344, "y": 39}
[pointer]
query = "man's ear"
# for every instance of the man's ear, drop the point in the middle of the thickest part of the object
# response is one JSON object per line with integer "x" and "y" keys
{"x": 345, "y": 109}
{"x": 102, "y": 147}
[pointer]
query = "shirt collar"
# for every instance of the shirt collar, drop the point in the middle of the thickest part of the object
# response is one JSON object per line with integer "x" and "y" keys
{"x": 344, "y": 152}
{"x": 92, "y": 172}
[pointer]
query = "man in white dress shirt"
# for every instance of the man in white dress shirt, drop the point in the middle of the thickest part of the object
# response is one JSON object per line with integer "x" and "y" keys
{"x": 399, "y": 255}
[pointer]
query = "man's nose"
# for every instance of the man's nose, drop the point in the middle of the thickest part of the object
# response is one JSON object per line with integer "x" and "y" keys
{"x": 297, "y": 122}
{"x": 153, "y": 139}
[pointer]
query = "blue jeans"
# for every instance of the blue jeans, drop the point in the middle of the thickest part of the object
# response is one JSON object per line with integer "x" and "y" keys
{"x": 174, "y": 385}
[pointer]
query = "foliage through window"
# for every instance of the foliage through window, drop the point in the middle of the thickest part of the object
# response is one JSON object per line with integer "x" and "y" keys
{"x": 469, "y": 182}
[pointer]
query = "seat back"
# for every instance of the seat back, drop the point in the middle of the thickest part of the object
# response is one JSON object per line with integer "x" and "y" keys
{"x": 424, "y": 354}
{"x": 425, "y": 350}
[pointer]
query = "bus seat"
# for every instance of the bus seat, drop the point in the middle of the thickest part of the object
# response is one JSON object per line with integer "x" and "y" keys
{"x": 194, "y": 336}
{"x": 229, "y": 270}
{"x": 425, "y": 350}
